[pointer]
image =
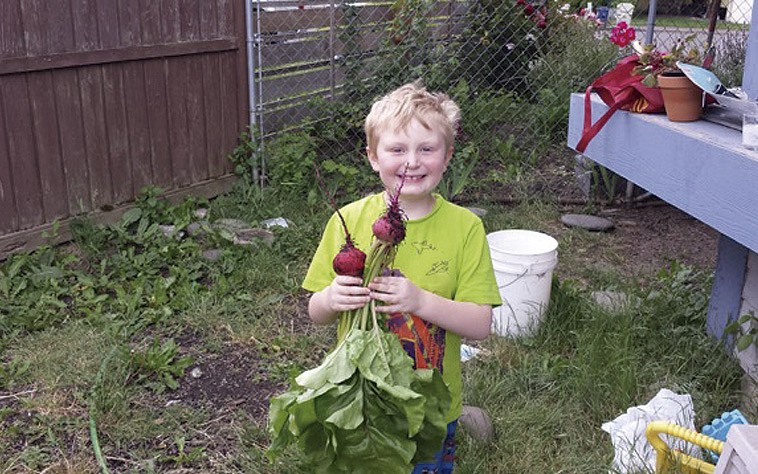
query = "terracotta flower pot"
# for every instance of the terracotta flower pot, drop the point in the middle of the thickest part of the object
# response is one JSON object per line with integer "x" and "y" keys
{"x": 682, "y": 99}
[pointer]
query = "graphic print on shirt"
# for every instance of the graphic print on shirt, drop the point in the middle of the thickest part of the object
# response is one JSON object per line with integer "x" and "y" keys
{"x": 422, "y": 246}
{"x": 424, "y": 342}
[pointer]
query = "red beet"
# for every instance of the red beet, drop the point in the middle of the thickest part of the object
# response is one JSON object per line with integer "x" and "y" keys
{"x": 388, "y": 229}
{"x": 350, "y": 260}
{"x": 390, "y": 226}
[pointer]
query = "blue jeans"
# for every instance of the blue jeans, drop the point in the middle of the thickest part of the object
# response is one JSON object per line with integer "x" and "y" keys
{"x": 443, "y": 459}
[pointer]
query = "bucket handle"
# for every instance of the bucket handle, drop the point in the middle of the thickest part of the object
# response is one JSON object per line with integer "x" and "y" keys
{"x": 526, "y": 269}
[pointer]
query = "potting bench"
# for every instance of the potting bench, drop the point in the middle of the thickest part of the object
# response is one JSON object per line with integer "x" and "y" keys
{"x": 703, "y": 169}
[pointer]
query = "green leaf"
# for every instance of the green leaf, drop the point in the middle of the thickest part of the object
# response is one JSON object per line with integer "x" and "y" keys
{"x": 131, "y": 216}
{"x": 335, "y": 368}
{"x": 744, "y": 342}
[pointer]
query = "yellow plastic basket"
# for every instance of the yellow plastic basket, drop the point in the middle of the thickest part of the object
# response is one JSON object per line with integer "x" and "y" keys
{"x": 669, "y": 460}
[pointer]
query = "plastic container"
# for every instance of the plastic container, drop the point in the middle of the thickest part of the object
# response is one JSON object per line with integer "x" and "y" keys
{"x": 740, "y": 454}
{"x": 668, "y": 459}
{"x": 523, "y": 261}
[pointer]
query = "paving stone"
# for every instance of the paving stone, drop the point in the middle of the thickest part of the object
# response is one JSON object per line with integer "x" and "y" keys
{"x": 248, "y": 236}
{"x": 588, "y": 222}
{"x": 477, "y": 423}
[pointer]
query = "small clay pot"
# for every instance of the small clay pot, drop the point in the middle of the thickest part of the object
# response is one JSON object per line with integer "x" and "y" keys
{"x": 682, "y": 99}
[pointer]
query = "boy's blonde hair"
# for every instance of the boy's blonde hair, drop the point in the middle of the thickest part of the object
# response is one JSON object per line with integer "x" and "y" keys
{"x": 434, "y": 111}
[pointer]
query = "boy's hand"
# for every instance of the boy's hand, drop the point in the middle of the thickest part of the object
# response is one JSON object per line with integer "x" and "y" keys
{"x": 398, "y": 294}
{"x": 347, "y": 293}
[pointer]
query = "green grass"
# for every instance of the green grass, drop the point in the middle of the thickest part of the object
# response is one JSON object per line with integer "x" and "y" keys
{"x": 97, "y": 335}
{"x": 688, "y": 22}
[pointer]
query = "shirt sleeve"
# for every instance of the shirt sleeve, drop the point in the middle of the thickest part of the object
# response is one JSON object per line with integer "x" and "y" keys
{"x": 320, "y": 272}
{"x": 477, "y": 282}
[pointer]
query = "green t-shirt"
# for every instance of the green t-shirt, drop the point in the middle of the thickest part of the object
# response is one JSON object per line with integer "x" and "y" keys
{"x": 445, "y": 252}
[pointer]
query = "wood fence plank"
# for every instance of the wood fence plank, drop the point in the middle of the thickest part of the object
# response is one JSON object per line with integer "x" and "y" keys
{"x": 84, "y": 13}
{"x": 226, "y": 26}
{"x": 170, "y": 21}
{"x": 129, "y": 22}
{"x": 45, "y": 123}
{"x": 157, "y": 115}
{"x": 150, "y": 21}
{"x": 96, "y": 136}
{"x": 118, "y": 137}
{"x": 195, "y": 120}
{"x": 139, "y": 132}
{"x": 23, "y": 157}
{"x": 189, "y": 14}
{"x": 71, "y": 133}
{"x": 212, "y": 105}
{"x": 229, "y": 105}
{"x": 60, "y": 26}
{"x": 177, "y": 121}
{"x": 8, "y": 214}
{"x": 107, "y": 24}
{"x": 11, "y": 31}
{"x": 208, "y": 20}
{"x": 33, "y": 16}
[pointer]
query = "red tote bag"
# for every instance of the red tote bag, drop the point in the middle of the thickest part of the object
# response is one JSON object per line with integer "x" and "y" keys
{"x": 619, "y": 88}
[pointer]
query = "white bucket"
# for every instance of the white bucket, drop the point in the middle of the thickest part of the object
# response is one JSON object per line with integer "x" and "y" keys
{"x": 523, "y": 261}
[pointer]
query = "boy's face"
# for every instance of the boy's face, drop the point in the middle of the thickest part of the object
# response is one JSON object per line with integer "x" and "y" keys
{"x": 424, "y": 151}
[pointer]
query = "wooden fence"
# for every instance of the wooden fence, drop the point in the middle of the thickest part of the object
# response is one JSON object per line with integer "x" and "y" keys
{"x": 300, "y": 49}
{"x": 99, "y": 98}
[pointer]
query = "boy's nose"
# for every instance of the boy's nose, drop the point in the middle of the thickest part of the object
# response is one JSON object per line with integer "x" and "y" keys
{"x": 412, "y": 160}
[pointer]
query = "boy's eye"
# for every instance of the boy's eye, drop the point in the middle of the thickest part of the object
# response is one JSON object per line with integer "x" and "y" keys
{"x": 397, "y": 150}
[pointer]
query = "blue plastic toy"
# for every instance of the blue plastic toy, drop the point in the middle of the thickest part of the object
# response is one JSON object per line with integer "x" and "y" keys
{"x": 719, "y": 427}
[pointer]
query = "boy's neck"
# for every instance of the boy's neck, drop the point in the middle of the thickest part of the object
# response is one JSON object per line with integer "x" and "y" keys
{"x": 416, "y": 207}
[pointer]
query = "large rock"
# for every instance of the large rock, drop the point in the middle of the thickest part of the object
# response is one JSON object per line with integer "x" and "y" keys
{"x": 477, "y": 423}
{"x": 588, "y": 222}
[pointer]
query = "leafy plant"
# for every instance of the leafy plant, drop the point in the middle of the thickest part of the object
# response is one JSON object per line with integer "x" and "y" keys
{"x": 458, "y": 175}
{"x": 158, "y": 366}
{"x": 745, "y": 328}
{"x": 184, "y": 457}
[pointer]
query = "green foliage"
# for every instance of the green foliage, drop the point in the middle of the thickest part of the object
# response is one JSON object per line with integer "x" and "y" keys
{"x": 246, "y": 157}
{"x": 12, "y": 373}
{"x": 458, "y": 175}
{"x": 569, "y": 50}
{"x": 745, "y": 329}
{"x": 729, "y": 62}
{"x": 365, "y": 389}
{"x": 499, "y": 45}
{"x": 183, "y": 456}
{"x": 158, "y": 365}
{"x": 289, "y": 163}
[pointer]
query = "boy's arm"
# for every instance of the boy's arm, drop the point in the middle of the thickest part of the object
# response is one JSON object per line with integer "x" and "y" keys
{"x": 400, "y": 294}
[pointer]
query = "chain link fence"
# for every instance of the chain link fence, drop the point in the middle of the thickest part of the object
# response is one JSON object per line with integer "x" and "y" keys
{"x": 511, "y": 66}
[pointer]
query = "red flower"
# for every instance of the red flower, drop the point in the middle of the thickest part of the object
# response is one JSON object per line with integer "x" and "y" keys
{"x": 622, "y": 34}
{"x": 542, "y": 24}
{"x": 528, "y": 9}
{"x": 520, "y": 2}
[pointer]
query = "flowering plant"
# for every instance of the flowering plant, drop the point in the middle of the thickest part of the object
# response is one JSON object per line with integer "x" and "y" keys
{"x": 654, "y": 62}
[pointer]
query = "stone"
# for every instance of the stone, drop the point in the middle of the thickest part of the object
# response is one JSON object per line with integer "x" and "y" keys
{"x": 197, "y": 229}
{"x": 196, "y": 373}
{"x": 587, "y": 222}
{"x": 477, "y": 423}
{"x": 248, "y": 236}
{"x": 201, "y": 213}
{"x": 212, "y": 255}
{"x": 231, "y": 225}
{"x": 478, "y": 211}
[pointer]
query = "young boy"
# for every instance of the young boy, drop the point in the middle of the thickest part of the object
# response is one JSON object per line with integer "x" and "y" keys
{"x": 447, "y": 282}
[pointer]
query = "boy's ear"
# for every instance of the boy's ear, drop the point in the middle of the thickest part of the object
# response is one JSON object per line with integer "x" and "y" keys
{"x": 372, "y": 159}
{"x": 449, "y": 155}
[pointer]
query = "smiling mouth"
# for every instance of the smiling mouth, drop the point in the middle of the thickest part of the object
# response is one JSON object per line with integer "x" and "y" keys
{"x": 413, "y": 178}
